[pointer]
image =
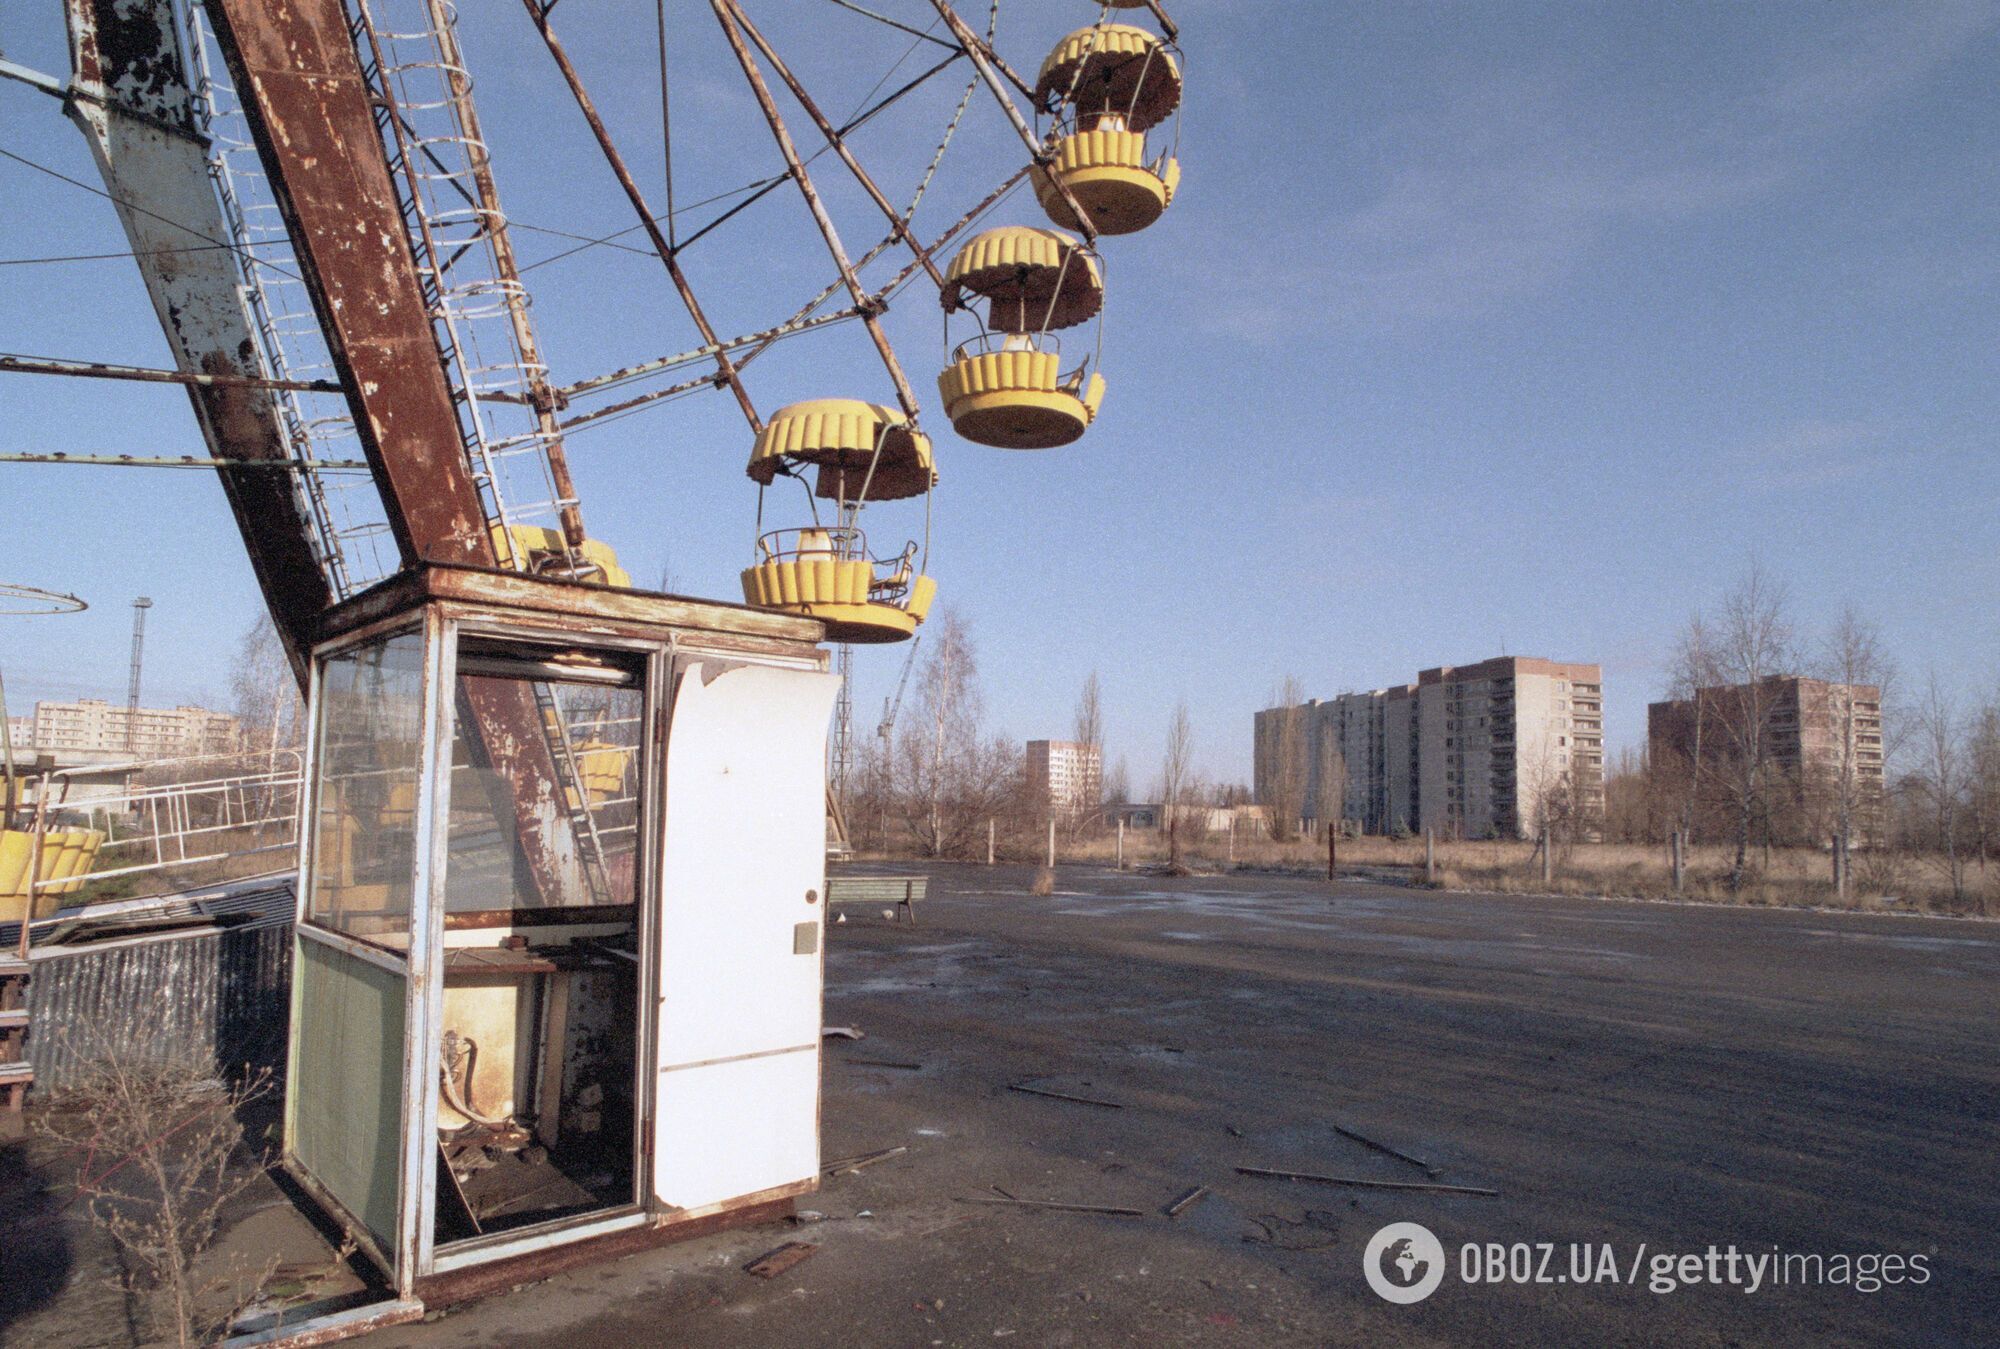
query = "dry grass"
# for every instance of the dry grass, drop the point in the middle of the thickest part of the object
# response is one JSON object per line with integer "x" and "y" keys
{"x": 1787, "y": 877}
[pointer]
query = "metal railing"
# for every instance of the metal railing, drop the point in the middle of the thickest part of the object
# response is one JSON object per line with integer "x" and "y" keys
{"x": 182, "y": 822}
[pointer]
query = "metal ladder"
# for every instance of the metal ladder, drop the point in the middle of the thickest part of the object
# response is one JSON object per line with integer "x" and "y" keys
{"x": 575, "y": 796}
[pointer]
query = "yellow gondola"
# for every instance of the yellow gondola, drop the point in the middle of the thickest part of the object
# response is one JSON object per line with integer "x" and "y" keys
{"x": 862, "y": 452}
{"x": 1006, "y": 387}
{"x": 539, "y": 550}
{"x": 1108, "y": 85}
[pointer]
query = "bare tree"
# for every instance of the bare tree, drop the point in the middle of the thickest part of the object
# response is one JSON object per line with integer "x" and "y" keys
{"x": 179, "y": 1133}
{"x": 1853, "y": 661}
{"x": 1984, "y": 769}
{"x": 1940, "y": 777}
{"x": 264, "y": 695}
{"x": 1282, "y": 790}
{"x": 1089, "y": 731}
{"x": 1176, "y": 772}
{"x": 1118, "y": 783}
{"x": 951, "y": 777}
{"x": 1090, "y": 713}
{"x": 1729, "y": 662}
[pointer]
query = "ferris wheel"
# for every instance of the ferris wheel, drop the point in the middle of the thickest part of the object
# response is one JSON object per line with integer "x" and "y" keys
{"x": 844, "y": 478}
{"x": 1098, "y": 150}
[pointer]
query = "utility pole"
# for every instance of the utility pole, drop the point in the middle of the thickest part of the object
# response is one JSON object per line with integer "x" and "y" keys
{"x": 139, "y": 608}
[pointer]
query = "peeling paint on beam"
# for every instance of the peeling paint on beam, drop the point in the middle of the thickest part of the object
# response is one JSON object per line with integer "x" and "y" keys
{"x": 297, "y": 72}
{"x": 130, "y": 98}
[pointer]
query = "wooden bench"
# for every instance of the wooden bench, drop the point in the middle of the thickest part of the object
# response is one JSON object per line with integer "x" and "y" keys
{"x": 901, "y": 891}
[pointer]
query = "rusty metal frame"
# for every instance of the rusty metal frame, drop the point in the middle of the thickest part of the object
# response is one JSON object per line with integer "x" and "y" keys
{"x": 57, "y": 365}
{"x": 131, "y": 98}
{"x": 899, "y": 226}
{"x": 989, "y": 62}
{"x": 726, "y": 372}
{"x": 729, "y": 16}
{"x": 541, "y": 397}
{"x": 310, "y": 112}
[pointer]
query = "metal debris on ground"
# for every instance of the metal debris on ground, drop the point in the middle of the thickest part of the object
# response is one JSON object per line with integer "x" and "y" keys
{"x": 1187, "y": 1201}
{"x": 1318, "y": 1230}
{"x": 1400, "y": 1156}
{"x": 1064, "y": 1096}
{"x": 1365, "y": 1184}
{"x": 775, "y": 1262}
{"x": 1105, "y": 1209}
{"x": 851, "y": 1164}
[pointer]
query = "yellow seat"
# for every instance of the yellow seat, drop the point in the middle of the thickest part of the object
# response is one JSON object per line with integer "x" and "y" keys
{"x": 66, "y": 860}
{"x": 836, "y": 592}
{"x": 1017, "y": 400}
{"x": 841, "y": 436}
{"x": 539, "y": 550}
{"x": 1112, "y": 68}
{"x": 1107, "y": 173}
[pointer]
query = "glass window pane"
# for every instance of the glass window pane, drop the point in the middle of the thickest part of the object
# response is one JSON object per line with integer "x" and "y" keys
{"x": 544, "y": 795}
{"x": 370, "y": 740}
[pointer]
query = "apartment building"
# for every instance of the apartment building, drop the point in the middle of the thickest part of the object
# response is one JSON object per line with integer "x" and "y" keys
{"x": 1814, "y": 733}
{"x": 1494, "y": 749}
{"x": 95, "y": 726}
{"x": 1065, "y": 777}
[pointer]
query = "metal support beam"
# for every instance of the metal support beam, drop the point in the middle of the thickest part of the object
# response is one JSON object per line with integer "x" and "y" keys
{"x": 725, "y": 368}
{"x": 987, "y": 60}
{"x": 838, "y": 142}
{"x": 728, "y": 15}
{"x": 309, "y": 110}
{"x": 56, "y": 365}
{"x": 133, "y": 103}
{"x": 494, "y": 225}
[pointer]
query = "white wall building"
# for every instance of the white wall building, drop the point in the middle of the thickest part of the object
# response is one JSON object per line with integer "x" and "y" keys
{"x": 96, "y": 726}
{"x": 1472, "y": 751}
{"x": 1065, "y": 777}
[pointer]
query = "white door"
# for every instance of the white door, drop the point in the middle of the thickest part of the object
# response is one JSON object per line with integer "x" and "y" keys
{"x": 737, "y": 1109}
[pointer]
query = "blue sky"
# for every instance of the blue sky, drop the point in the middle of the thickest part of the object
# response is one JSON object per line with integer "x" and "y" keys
{"x": 1475, "y": 328}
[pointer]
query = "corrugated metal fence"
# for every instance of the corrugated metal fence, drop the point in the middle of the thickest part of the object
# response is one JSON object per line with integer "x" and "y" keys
{"x": 220, "y": 997}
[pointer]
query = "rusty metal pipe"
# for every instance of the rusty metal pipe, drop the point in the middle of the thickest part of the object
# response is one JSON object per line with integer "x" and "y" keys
{"x": 985, "y": 59}
{"x": 55, "y": 365}
{"x": 725, "y": 369}
{"x": 839, "y": 144}
{"x": 726, "y": 13}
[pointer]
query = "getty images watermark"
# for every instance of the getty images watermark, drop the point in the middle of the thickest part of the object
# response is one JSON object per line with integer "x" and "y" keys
{"x": 1405, "y": 1263}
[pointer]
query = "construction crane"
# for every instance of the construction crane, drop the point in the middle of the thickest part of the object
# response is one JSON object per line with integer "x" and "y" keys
{"x": 892, "y": 706}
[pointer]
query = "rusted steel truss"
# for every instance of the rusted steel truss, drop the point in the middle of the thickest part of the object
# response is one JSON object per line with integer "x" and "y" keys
{"x": 725, "y": 368}
{"x": 132, "y": 100}
{"x": 309, "y": 109}
{"x": 989, "y": 65}
{"x": 731, "y": 18}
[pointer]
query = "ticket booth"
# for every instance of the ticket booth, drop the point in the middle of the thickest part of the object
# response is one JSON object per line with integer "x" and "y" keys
{"x": 558, "y": 969}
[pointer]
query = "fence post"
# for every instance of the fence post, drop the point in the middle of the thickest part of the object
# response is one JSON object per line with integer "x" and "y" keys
{"x": 1680, "y": 859}
{"x": 1430, "y": 857}
{"x": 1052, "y": 840}
{"x": 1232, "y": 838}
{"x": 989, "y": 841}
{"x": 1839, "y": 867}
{"x": 1121, "y": 845}
{"x": 1332, "y": 854}
{"x": 1548, "y": 856}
